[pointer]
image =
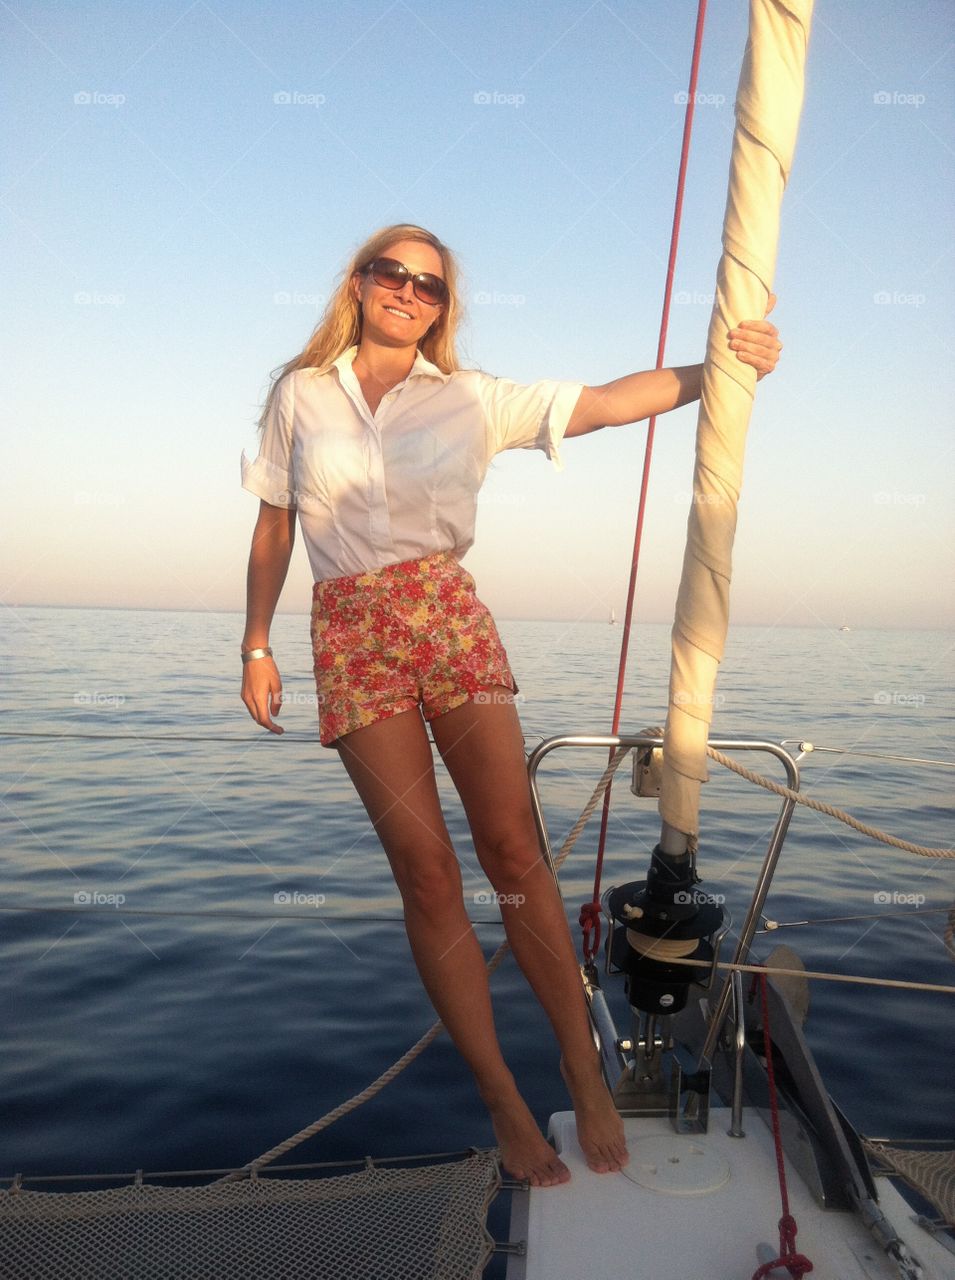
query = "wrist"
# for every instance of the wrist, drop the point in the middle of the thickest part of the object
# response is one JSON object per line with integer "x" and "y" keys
{"x": 253, "y": 653}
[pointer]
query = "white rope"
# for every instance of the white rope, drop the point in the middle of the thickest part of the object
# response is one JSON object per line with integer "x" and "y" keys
{"x": 899, "y": 984}
{"x": 828, "y": 809}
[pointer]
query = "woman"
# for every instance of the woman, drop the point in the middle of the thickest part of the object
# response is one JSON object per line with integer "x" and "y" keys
{"x": 380, "y": 442}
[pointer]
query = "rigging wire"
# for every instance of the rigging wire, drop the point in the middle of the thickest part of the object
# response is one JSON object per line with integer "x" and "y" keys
{"x": 590, "y": 912}
{"x": 123, "y": 910}
{"x": 808, "y": 747}
{"x": 769, "y": 926}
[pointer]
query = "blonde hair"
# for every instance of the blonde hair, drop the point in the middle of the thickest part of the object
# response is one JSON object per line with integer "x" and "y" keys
{"x": 341, "y": 324}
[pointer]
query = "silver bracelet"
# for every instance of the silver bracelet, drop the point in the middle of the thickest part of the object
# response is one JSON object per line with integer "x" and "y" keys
{"x": 249, "y": 654}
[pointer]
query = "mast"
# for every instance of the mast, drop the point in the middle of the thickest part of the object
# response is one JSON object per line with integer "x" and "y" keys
{"x": 768, "y": 105}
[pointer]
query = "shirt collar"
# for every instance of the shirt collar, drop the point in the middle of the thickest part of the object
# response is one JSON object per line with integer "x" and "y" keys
{"x": 420, "y": 367}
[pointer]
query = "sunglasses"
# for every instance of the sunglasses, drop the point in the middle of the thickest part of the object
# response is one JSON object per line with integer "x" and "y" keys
{"x": 391, "y": 274}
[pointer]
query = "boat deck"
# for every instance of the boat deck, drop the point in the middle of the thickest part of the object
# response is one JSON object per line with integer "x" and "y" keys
{"x": 638, "y": 1224}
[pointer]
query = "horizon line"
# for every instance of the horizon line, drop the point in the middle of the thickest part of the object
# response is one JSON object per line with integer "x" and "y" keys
{"x": 601, "y": 622}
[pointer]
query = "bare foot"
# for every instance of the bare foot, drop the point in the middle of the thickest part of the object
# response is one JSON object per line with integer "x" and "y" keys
{"x": 599, "y": 1124}
{"x": 525, "y": 1152}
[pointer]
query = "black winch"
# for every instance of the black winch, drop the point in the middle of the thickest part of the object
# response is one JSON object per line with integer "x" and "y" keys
{"x": 657, "y": 920}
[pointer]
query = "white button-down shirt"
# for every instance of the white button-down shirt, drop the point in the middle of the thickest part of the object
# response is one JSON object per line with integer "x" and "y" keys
{"x": 373, "y": 489}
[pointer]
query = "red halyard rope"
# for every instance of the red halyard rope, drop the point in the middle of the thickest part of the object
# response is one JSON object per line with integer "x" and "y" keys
{"x": 590, "y": 911}
{"x": 797, "y": 1264}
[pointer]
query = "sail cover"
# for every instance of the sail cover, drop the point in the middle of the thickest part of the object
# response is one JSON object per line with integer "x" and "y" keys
{"x": 768, "y": 104}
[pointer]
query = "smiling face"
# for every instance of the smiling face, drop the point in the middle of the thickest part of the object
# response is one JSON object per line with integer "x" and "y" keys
{"x": 398, "y": 317}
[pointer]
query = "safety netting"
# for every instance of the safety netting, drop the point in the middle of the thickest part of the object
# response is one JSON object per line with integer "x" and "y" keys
{"x": 422, "y": 1223}
{"x": 930, "y": 1173}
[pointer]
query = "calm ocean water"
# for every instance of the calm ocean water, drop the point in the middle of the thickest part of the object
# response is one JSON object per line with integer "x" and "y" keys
{"x": 178, "y": 1041}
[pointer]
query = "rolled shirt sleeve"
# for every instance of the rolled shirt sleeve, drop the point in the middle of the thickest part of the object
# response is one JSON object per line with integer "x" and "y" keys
{"x": 270, "y": 476}
{"x": 532, "y": 416}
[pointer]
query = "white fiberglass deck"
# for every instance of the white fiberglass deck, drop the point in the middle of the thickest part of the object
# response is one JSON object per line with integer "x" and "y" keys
{"x": 608, "y": 1225}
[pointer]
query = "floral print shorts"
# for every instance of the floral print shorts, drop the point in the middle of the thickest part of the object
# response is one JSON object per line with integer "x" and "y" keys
{"x": 410, "y": 634}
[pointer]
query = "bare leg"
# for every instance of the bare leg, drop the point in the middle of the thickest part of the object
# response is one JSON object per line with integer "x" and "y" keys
{"x": 482, "y": 745}
{"x": 392, "y": 767}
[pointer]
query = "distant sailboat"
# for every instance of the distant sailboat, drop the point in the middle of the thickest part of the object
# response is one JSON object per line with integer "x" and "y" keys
{"x": 613, "y": 616}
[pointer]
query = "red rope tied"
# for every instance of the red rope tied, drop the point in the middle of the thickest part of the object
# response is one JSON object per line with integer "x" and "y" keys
{"x": 797, "y": 1264}
{"x": 648, "y": 453}
{"x": 589, "y": 921}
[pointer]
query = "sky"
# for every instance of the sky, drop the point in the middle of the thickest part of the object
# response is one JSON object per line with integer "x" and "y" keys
{"x": 182, "y": 183}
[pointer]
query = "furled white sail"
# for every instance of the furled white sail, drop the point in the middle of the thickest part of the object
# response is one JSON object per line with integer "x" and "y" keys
{"x": 768, "y": 104}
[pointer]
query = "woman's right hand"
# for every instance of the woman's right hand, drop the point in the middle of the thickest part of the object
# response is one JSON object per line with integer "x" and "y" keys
{"x": 262, "y": 692}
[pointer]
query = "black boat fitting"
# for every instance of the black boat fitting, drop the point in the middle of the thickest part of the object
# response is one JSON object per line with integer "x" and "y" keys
{"x": 656, "y": 921}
